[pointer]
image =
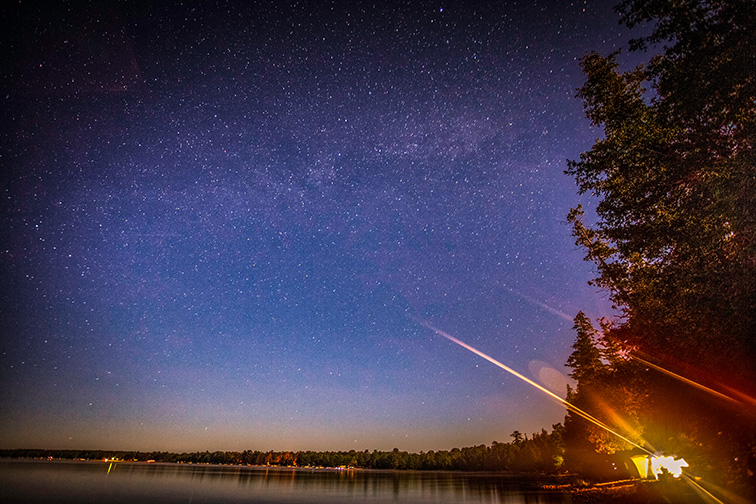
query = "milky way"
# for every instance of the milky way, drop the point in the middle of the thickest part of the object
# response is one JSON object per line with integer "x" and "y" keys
{"x": 222, "y": 223}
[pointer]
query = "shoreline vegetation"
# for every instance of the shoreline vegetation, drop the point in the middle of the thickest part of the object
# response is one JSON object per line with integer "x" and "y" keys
{"x": 542, "y": 453}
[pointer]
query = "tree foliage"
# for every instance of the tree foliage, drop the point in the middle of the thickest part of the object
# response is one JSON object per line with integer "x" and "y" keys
{"x": 585, "y": 360}
{"x": 675, "y": 175}
{"x": 674, "y": 242}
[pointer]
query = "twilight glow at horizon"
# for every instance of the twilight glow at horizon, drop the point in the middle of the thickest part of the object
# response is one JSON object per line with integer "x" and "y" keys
{"x": 220, "y": 223}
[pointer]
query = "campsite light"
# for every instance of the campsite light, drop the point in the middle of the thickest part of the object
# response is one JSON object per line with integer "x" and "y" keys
{"x": 652, "y": 466}
{"x": 674, "y": 467}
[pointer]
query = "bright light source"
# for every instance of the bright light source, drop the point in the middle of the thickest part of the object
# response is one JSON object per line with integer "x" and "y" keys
{"x": 669, "y": 463}
{"x": 652, "y": 466}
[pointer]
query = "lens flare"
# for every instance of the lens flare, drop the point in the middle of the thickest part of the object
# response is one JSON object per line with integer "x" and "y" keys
{"x": 536, "y": 302}
{"x": 672, "y": 465}
{"x": 743, "y": 400}
{"x": 527, "y": 380}
{"x": 660, "y": 463}
{"x": 550, "y": 377}
{"x": 652, "y": 466}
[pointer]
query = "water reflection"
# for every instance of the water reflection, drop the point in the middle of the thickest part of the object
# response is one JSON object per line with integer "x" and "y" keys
{"x": 89, "y": 482}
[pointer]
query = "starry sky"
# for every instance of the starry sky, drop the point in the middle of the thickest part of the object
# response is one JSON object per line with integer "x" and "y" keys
{"x": 223, "y": 223}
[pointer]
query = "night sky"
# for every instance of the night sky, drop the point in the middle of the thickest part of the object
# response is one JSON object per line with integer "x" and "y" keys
{"x": 223, "y": 224}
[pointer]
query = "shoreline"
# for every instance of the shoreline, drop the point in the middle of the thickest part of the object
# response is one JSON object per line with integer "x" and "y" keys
{"x": 545, "y": 481}
{"x": 625, "y": 491}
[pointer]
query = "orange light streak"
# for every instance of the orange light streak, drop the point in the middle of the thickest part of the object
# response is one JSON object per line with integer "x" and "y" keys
{"x": 700, "y": 489}
{"x": 527, "y": 380}
{"x": 696, "y": 384}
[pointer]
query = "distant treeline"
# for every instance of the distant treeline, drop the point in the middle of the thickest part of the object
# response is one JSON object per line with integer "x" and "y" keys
{"x": 542, "y": 452}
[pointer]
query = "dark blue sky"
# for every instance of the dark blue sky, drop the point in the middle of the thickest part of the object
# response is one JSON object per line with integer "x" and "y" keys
{"x": 221, "y": 222}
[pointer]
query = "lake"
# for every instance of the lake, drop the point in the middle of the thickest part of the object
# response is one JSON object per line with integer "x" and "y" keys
{"x": 38, "y": 481}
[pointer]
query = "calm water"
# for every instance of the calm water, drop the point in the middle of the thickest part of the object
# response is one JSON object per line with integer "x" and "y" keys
{"x": 140, "y": 483}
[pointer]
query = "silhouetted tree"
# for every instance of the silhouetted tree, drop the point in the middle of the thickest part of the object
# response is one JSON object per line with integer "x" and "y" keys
{"x": 675, "y": 241}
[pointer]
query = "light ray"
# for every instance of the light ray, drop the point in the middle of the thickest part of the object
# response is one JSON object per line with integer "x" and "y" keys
{"x": 527, "y": 380}
{"x": 694, "y": 383}
{"x": 536, "y": 302}
{"x": 702, "y": 492}
{"x": 705, "y": 494}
